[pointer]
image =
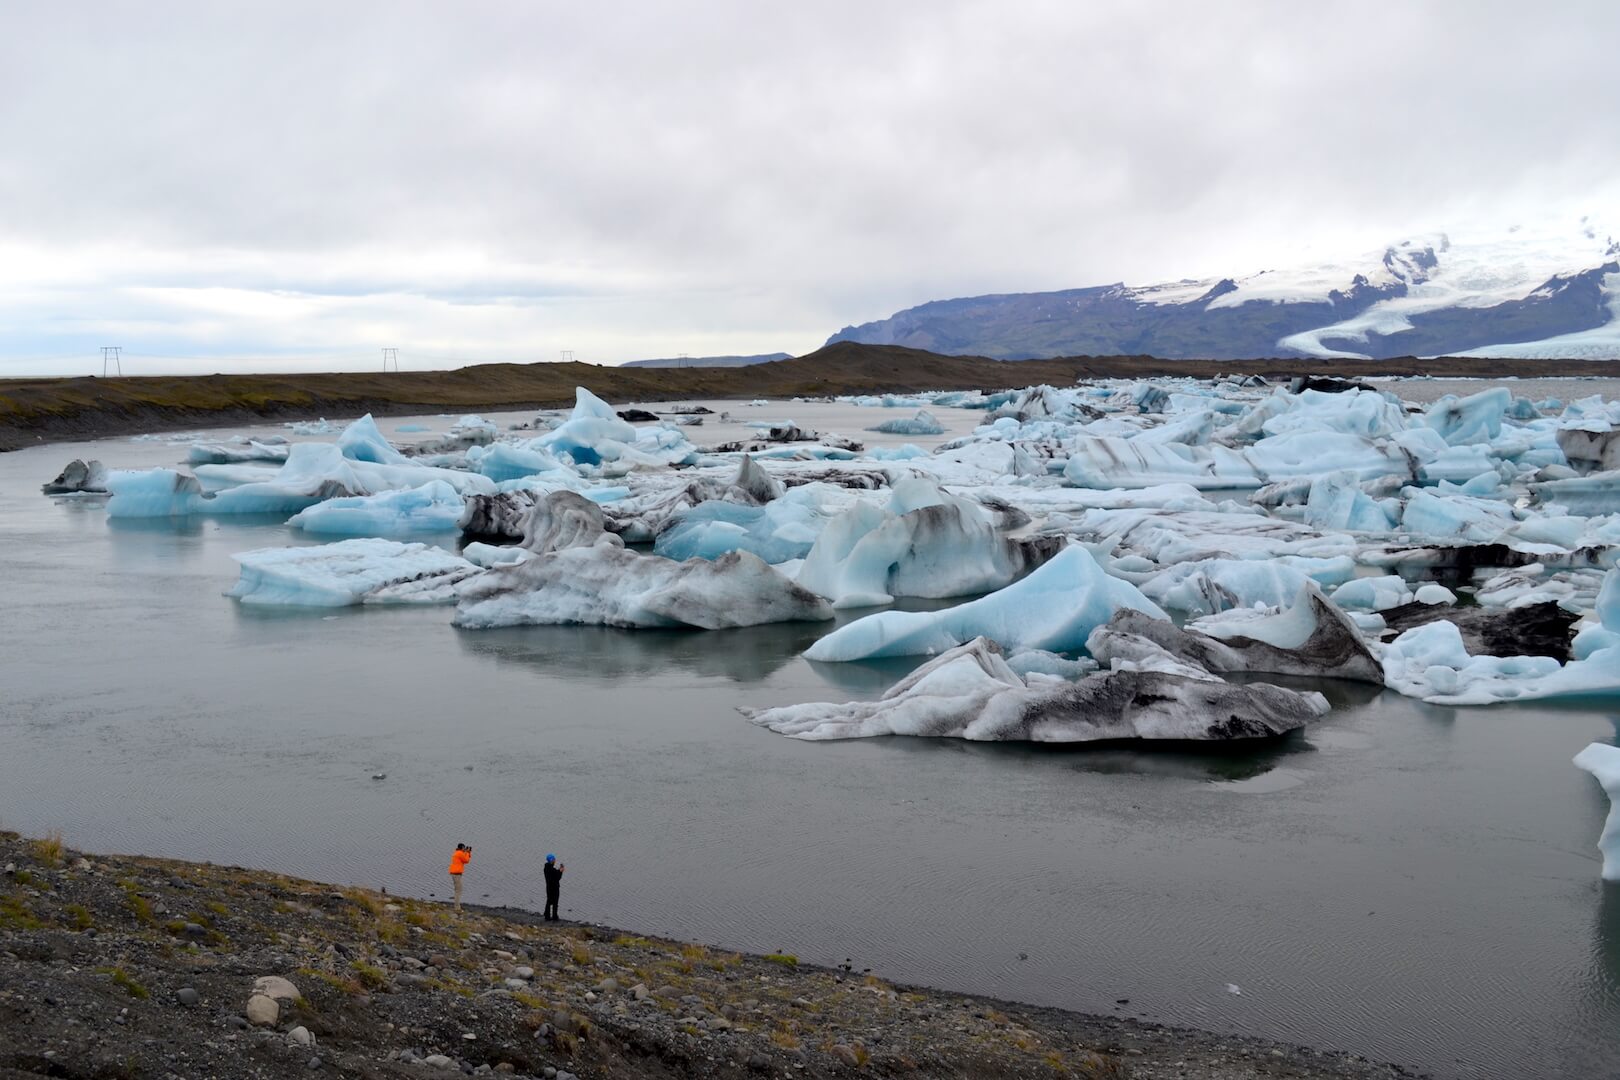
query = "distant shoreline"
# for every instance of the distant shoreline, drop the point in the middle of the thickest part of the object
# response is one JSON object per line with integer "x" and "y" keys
{"x": 35, "y": 412}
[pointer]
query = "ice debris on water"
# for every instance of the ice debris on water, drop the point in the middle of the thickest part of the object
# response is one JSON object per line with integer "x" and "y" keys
{"x": 1323, "y": 529}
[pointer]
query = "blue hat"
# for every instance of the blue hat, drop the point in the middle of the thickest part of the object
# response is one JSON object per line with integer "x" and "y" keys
{"x": 551, "y": 858}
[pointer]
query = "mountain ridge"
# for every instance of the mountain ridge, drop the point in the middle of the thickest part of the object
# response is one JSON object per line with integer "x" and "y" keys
{"x": 1524, "y": 295}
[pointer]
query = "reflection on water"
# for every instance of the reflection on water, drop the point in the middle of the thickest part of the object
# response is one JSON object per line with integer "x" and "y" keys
{"x": 592, "y": 654}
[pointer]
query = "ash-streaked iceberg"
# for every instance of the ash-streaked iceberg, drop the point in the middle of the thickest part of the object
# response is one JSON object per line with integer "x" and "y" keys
{"x": 369, "y": 571}
{"x": 970, "y": 692}
{"x": 604, "y": 585}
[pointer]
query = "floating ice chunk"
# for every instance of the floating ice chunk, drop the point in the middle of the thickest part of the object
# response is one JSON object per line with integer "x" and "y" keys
{"x": 1312, "y": 638}
{"x": 905, "y": 452}
{"x": 1605, "y": 634}
{"x": 928, "y": 544}
{"x": 1603, "y": 762}
{"x": 611, "y": 586}
{"x": 1597, "y": 493}
{"x": 1054, "y": 608}
{"x": 1104, "y": 462}
{"x": 1431, "y": 662}
{"x": 433, "y": 507}
{"x": 229, "y": 454}
{"x": 971, "y": 692}
{"x": 487, "y": 555}
{"x": 1210, "y": 585}
{"x": 1431, "y": 593}
{"x": 1373, "y": 593}
{"x": 152, "y": 493}
{"x": 1038, "y": 662}
{"x": 78, "y": 478}
{"x": 782, "y": 530}
{"x": 923, "y": 423}
{"x": 503, "y": 461}
{"x": 1473, "y": 419}
{"x": 1575, "y": 590}
{"x": 1336, "y": 501}
{"x": 363, "y": 441}
{"x": 350, "y": 572}
{"x": 1441, "y": 516}
{"x": 565, "y": 519}
{"x": 411, "y": 429}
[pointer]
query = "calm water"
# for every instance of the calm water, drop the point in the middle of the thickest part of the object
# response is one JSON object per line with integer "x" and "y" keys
{"x": 1405, "y": 882}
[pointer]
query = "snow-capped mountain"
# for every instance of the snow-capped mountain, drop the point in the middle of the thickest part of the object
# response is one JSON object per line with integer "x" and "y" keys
{"x": 1515, "y": 293}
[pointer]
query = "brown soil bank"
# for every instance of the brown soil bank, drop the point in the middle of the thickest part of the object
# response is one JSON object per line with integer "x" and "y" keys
{"x": 50, "y": 410}
{"x": 129, "y": 967}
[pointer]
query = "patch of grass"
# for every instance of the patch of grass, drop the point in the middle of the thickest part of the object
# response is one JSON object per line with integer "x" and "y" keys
{"x": 122, "y": 978}
{"x": 49, "y": 850}
{"x": 217, "y": 908}
{"x": 366, "y": 902}
{"x": 632, "y": 940}
{"x": 1104, "y": 1067}
{"x": 581, "y": 955}
{"x": 783, "y": 958}
{"x": 370, "y": 976}
{"x": 342, "y": 985}
{"x": 785, "y": 1038}
{"x": 139, "y": 905}
{"x": 23, "y": 877}
{"x": 78, "y": 916}
{"x": 862, "y": 1056}
{"x": 14, "y": 914}
{"x": 530, "y": 1001}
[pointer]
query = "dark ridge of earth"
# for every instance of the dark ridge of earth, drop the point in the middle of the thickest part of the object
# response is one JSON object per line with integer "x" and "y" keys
{"x": 126, "y": 967}
{"x": 34, "y": 411}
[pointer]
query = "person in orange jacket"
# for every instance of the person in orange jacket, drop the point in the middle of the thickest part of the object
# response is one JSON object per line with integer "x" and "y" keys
{"x": 458, "y": 866}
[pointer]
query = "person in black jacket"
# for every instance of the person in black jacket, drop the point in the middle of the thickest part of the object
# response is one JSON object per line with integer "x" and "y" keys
{"x": 554, "y": 873}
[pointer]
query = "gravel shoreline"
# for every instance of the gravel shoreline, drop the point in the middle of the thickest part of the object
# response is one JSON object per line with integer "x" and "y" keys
{"x": 121, "y": 966}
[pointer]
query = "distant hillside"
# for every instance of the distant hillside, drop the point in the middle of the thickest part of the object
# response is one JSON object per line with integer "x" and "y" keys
{"x": 47, "y": 410}
{"x": 1512, "y": 295}
{"x": 711, "y": 361}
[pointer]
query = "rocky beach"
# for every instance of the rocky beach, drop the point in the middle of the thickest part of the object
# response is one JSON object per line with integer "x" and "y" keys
{"x": 119, "y": 966}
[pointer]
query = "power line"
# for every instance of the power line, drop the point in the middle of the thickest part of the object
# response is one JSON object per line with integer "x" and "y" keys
{"x": 390, "y": 355}
{"x": 113, "y": 353}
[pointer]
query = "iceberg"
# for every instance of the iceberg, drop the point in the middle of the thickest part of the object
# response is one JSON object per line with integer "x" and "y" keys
{"x": 611, "y": 586}
{"x": 780, "y": 531}
{"x": 565, "y": 519}
{"x": 923, "y": 423}
{"x": 1373, "y": 593}
{"x": 78, "y": 478}
{"x": 1055, "y": 608}
{"x": 1108, "y": 462}
{"x": 970, "y": 692}
{"x": 1310, "y": 638}
{"x": 1473, "y": 419}
{"x": 926, "y": 544}
{"x": 236, "y": 453}
{"x": 349, "y": 572}
{"x": 1603, "y": 762}
{"x": 1431, "y": 662}
{"x": 433, "y": 507}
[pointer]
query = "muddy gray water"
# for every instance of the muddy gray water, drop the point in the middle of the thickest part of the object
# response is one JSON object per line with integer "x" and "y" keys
{"x": 1402, "y": 881}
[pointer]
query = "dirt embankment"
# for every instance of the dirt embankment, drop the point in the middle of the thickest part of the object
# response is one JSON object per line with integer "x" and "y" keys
{"x": 129, "y": 967}
{"x": 33, "y": 411}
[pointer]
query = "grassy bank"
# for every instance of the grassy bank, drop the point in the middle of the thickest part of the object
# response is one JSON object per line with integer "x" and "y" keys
{"x": 33, "y": 411}
{"x": 114, "y": 966}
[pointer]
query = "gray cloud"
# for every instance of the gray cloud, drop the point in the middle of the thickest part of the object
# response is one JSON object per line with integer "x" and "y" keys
{"x": 508, "y": 179}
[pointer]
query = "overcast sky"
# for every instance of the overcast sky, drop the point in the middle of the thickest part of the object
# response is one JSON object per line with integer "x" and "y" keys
{"x": 299, "y": 184}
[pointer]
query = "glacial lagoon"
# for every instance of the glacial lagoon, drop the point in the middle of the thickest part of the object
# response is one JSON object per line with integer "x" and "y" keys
{"x": 1400, "y": 880}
